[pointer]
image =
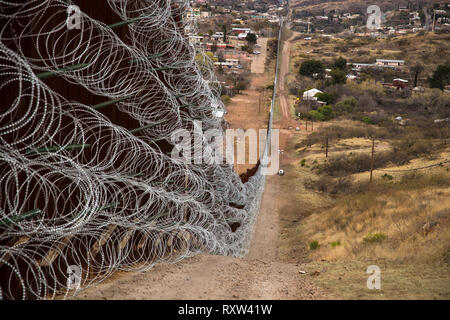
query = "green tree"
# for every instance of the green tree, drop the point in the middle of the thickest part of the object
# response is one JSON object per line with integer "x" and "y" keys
{"x": 338, "y": 76}
{"x": 310, "y": 67}
{"x": 327, "y": 112}
{"x": 440, "y": 78}
{"x": 345, "y": 106}
{"x": 340, "y": 63}
{"x": 224, "y": 30}
{"x": 416, "y": 70}
{"x": 240, "y": 86}
{"x": 251, "y": 38}
{"x": 325, "y": 97}
{"x": 322, "y": 114}
{"x": 316, "y": 115}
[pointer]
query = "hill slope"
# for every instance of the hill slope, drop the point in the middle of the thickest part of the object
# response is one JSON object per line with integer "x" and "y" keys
{"x": 354, "y": 5}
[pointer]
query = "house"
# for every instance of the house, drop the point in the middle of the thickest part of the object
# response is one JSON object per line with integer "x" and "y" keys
{"x": 233, "y": 62}
{"x": 242, "y": 36}
{"x": 400, "y": 84}
{"x": 358, "y": 66}
{"x": 440, "y": 12}
{"x": 310, "y": 95}
{"x": 240, "y": 30}
{"x": 390, "y": 63}
{"x": 397, "y": 84}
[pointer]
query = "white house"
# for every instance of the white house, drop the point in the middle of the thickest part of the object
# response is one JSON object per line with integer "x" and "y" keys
{"x": 390, "y": 63}
{"x": 310, "y": 95}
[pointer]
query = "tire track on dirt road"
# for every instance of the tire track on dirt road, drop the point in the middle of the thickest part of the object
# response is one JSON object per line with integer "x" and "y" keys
{"x": 284, "y": 71}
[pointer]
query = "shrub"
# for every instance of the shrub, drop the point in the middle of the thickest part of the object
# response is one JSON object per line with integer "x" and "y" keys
{"x": 340, "y": 63}
{"x": 374, "y": 237}
{"x": 367, "y": 120}
{"x": 331, "y": 185}
{"x": 441, "y": 77}
{"x": 313, "y": 245}
{"x": 345, "y": 106}
{"x": 303, "y": 162}
{"x": 412, "y": 147}
{"x": 322, "y": 113}
{"x": 353, "y": 163}
{"x": 325, "y": 97}
{"x": 338, "y": 76}
{"x": 316, "y": 115}
{"x": 334, "y": 244}
{"x": 327, "y": 112}
{"x": 310, "y": 67}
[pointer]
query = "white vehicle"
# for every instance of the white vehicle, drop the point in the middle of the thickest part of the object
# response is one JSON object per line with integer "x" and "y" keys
{"x": 256, "y": 52}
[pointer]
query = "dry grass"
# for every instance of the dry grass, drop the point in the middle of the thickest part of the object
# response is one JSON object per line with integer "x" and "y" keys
{"x": 400, "y": 223}
{"x": 347, "y": 280}
{"x": 413, "y": 216}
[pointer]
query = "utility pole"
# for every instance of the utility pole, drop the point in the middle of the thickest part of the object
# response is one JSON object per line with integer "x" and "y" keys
{"x": 326, "y": 149}
{"x": 371, "y": 161}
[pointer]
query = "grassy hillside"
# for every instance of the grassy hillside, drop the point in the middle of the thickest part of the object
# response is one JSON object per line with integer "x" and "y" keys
{"x": 355, "y": 5}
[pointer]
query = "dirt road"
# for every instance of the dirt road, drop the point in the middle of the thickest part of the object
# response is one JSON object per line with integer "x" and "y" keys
{"x": 259, "y": 59}
{"x": 284, "y": 70}
{"x": 259, "y": 275}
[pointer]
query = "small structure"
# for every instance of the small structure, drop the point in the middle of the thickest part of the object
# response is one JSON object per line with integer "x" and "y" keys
{"x": 390, "y": 63}
{"x": 418, "y": 89}
{"x": 310, "y": 95}
{"x": 400, "y": 84}
{"x": 397, "y": 84}
{"x": 237, "y": 31}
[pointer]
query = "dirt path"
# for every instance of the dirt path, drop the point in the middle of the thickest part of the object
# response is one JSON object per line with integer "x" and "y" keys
{"x": 284, "y": 70}
{"x": 259, "y": 60}
{"x": 259, "y": 275}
